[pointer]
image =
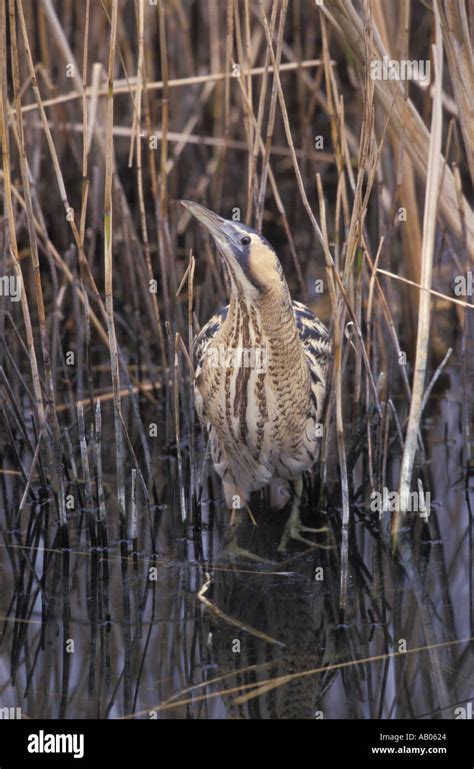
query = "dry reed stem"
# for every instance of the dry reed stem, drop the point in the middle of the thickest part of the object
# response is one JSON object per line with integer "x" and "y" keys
{"x": 263, "y": 686}
{"x": 405, "y": 190}
{"x": 271, "y": 120}
{"x": 458, "y": 47}
{"x": 231, "y": 620}
{"x": 11, "y": 225}
{"x": 349, "y": 27}
{"x": 157, "y": 325}
{"x": 108, "y": 274}
{"x": 429, "y": 229}
{"x": 69, "y": 212}
{"x": 56, "y": 463}
{"x": 459, "y": 302}
{"x": 259, "y": 123}
{"x": 127, "y": 86}
{"x": 177, "y": 426}
{"x": 366, "y": 308}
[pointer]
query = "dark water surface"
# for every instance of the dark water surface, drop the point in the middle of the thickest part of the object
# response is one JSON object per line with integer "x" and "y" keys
{"x": 193, "y": 632}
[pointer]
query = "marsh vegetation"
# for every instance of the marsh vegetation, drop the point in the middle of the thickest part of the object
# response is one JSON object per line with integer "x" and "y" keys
{"x": 117, "y": 596}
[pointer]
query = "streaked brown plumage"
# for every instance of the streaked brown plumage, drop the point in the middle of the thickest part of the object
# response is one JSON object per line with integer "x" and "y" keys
{"x": 261, "y": 368}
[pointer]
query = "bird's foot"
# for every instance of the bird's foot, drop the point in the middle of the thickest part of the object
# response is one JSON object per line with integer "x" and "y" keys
{"x": 231, "y": 545}
{"x": 293, "y": 529}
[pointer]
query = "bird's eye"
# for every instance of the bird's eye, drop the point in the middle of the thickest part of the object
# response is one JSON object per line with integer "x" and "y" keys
{"x": 245, "y": 240}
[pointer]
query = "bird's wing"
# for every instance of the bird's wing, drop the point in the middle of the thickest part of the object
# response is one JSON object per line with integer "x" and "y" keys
{"x": 206, "y": 335}
{"x": 201, "y": 343}
{"x": 317, "y": 346}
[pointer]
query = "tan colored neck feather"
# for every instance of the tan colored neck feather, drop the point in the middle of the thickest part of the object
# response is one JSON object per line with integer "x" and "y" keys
{"x": 287, "y": 356}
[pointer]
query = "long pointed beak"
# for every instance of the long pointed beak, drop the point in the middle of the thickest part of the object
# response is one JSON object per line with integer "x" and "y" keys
{"x": 232, "y": 243}
{"x": 214, "y": 224}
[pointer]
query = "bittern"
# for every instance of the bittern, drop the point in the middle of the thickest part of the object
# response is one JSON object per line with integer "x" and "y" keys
{"x": 260, "y": 379}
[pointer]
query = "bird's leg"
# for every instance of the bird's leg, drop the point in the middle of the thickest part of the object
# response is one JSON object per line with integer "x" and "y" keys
{"x": 293, "y": 526}
{"x": 232, "y": 545}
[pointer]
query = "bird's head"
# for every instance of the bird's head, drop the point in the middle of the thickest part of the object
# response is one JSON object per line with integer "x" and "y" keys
{"x": 251, "y": 262}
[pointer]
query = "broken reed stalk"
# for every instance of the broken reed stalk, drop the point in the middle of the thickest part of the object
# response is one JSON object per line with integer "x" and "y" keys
{"x": 429, "y": 230}
{"x": 108, "y": 272}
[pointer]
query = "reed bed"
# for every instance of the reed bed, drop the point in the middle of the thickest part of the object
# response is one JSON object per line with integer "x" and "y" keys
{"x": 111, "y": 112}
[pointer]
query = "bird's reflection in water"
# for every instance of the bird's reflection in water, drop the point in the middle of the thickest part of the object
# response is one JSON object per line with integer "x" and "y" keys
{"x": 292, "y": 601}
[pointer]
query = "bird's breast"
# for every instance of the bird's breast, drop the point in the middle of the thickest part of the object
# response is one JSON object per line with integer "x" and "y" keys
{"x": 255, "y": 389}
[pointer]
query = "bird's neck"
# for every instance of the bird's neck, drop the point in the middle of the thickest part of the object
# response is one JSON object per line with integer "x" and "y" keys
{"x": 272, "y": 324}
{"x": 279, "y": 327}
{"x": 276, "y": 312}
